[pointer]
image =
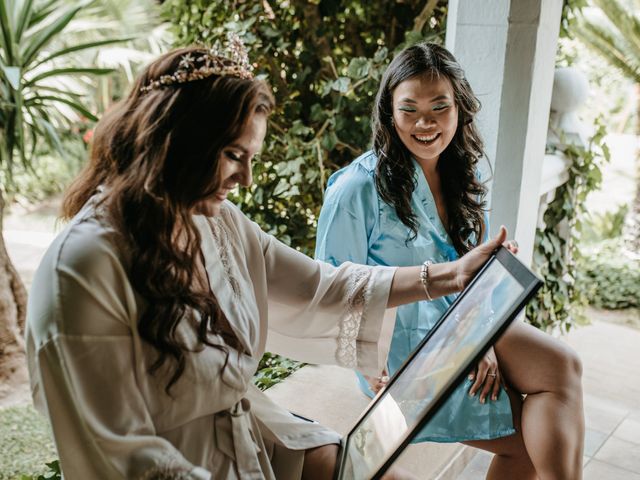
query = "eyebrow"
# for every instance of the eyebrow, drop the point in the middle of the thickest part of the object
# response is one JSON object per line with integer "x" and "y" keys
{"x": 238, "y": 147}
{"x": 434, "y": 99}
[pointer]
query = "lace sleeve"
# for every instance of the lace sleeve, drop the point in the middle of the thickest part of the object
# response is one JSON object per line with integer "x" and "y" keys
{"x": 357, "y": 296}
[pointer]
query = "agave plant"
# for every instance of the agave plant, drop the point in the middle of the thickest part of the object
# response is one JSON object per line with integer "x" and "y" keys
{"x": 37, "y": 94}
{"x": 613, "y": 31}
{"x": 41, "y": 93}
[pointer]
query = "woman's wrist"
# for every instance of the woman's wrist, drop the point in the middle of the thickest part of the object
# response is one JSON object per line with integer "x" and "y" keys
{"x": 443, "y": 279}
{"x": 407, "y": 285}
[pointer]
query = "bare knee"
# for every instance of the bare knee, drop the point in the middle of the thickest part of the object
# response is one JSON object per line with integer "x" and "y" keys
{"x": 571, "y": 364}
{"x": 320, "y": 463}
{"x": 568, "y": 372}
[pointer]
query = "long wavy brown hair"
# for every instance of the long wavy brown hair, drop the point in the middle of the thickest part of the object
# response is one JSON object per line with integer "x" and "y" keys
{"x": 457, "y": 165}
{"x": 157, "y": 155}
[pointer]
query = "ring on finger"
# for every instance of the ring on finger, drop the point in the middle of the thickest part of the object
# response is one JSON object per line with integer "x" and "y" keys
{"x": 494, "y": 375}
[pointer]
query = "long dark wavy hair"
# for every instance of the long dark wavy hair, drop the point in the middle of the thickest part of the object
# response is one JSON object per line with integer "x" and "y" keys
{"x": 463, "y": 192}
{"x": 157, "y": 153}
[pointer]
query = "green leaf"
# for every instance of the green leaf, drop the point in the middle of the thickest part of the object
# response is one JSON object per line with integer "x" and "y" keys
{"x": 36, "y": 99}
{"x": 381, "y": 54}
{"x": 12, "y": 74}
{"x": 7, "y": 32}
{"x": 44, "y": 36}
{"x": 341, "y": 84}
{"x": 329, "y": 140}
{"x": 68, "y": 71}
{"x": 24, "y": 17}
{"x": 358, "y": 68}
{"x": 83, "y": 46}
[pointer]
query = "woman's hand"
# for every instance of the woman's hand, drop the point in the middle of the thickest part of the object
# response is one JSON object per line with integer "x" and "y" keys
{"x": 377, "y": 383}
{"x": 470, "y": 263}
{"x": 487, "y": 377}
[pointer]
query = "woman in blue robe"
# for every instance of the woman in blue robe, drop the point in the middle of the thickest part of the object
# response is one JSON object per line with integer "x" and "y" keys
{"x": 417, "y": 197}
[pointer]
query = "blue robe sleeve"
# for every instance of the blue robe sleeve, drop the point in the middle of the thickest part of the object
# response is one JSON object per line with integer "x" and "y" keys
{"x": 348, "y": 217}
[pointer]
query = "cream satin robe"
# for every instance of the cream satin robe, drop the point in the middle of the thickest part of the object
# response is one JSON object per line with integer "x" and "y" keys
{"x": 113, "y": 420}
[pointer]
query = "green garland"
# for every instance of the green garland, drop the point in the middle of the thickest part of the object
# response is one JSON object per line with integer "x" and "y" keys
{"x": 560, "y": 302}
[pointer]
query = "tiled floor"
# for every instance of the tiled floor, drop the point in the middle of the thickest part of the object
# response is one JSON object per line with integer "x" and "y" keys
{"x": 611, "y": 358}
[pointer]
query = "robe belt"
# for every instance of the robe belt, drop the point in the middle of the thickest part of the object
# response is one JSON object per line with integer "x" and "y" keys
{"x": 235, "y": 438}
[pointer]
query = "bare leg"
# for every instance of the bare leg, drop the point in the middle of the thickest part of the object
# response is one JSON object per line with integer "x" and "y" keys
{"x": 320, "y": 463}
{"x": 511, "y": 459}
{"x": 549, "y": 373}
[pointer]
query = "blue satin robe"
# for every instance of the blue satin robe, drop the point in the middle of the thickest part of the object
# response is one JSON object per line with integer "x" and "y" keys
{"x": 356, "y": 225}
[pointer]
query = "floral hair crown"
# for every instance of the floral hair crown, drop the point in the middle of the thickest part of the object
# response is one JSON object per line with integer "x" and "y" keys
{"x": 228, "y": 60}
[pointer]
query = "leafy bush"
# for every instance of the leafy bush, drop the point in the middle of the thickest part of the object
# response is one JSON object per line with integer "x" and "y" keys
{"x": 53, "y": 473}
{"x": 324, "y": 61}
{"x": 602, "y": 226}
{"x": 49, "y": 173}
{"x": 273, "y": 369}
{"x": 559, "y": 303}
{"x": 608, "y": 277}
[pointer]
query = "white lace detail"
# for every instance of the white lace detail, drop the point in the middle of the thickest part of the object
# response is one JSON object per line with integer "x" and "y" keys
{"x": 221, "y": 237}
{"x": 357, "y": 297}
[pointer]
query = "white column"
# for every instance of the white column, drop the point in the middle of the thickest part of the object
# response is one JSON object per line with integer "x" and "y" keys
{"x": 507, "y": 48}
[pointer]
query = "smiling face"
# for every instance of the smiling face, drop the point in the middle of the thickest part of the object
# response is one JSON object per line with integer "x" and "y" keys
{"x": 235, "y": 162}
{"x": 425, "y": 115}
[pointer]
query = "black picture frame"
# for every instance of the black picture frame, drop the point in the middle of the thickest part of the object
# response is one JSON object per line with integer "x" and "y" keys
{"x": 530, "y": 283}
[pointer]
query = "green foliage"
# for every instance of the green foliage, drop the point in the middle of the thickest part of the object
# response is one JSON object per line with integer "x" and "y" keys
{"x": 559, "y": 303}
{"x": 53, "y": 473}
{"x": 324, "y": 60}
{"x": 609, "y": 278}
{"x": 38, "y": 94}
{"x": 570, "y": 12}
{"x": 48, "y": 174}
{"x": 603, "y": 226}
{"x": 273, "y": 369}
{"x": 615, "y": 35}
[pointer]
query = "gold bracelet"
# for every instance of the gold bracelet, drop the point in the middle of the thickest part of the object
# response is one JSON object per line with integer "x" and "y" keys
{"x": 424, "y": 278}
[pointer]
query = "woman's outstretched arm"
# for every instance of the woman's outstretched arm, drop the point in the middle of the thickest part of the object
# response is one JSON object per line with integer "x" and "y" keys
{"x": 444, "y": 278}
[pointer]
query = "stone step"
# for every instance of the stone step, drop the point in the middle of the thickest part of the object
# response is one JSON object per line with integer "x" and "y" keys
{"x": 330, "y": 395}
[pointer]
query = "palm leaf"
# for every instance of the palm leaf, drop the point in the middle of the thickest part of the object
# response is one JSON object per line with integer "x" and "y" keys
{"x": 59, "y": 91}
{"x": 39, "y": 99}
{"x": 43, "y": 11}
{"x": 7, "y": 32}
{"x": 12, "y": 74}
{"x": 83, "y": 46}
{"x": 47, "y": 131}
{"x": 45, "y": 35}
{"x": 22, "y": 19}
{"x": 19, "y": 128}
{"x": 627, "y": 25}
{"x": 67, "y": 71}
{"x": 603, "y": 42}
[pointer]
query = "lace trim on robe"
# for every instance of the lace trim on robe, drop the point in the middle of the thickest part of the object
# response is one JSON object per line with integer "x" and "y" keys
{"x": 357, "y": 298}
{"x": 221, "y": 237}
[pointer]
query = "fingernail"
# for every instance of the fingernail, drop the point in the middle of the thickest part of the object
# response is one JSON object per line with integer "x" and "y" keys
{"x": 470, "y": 377}
{"x": 482, "y": 400}
{"x": 472, "y": 394}
{"x": 494, "y": 398}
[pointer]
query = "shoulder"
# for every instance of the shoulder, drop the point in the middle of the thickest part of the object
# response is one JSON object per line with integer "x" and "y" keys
{"x": 357, "y": 180}
{"x": 81, "y": 276}
{"x": 88, "y": 246}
